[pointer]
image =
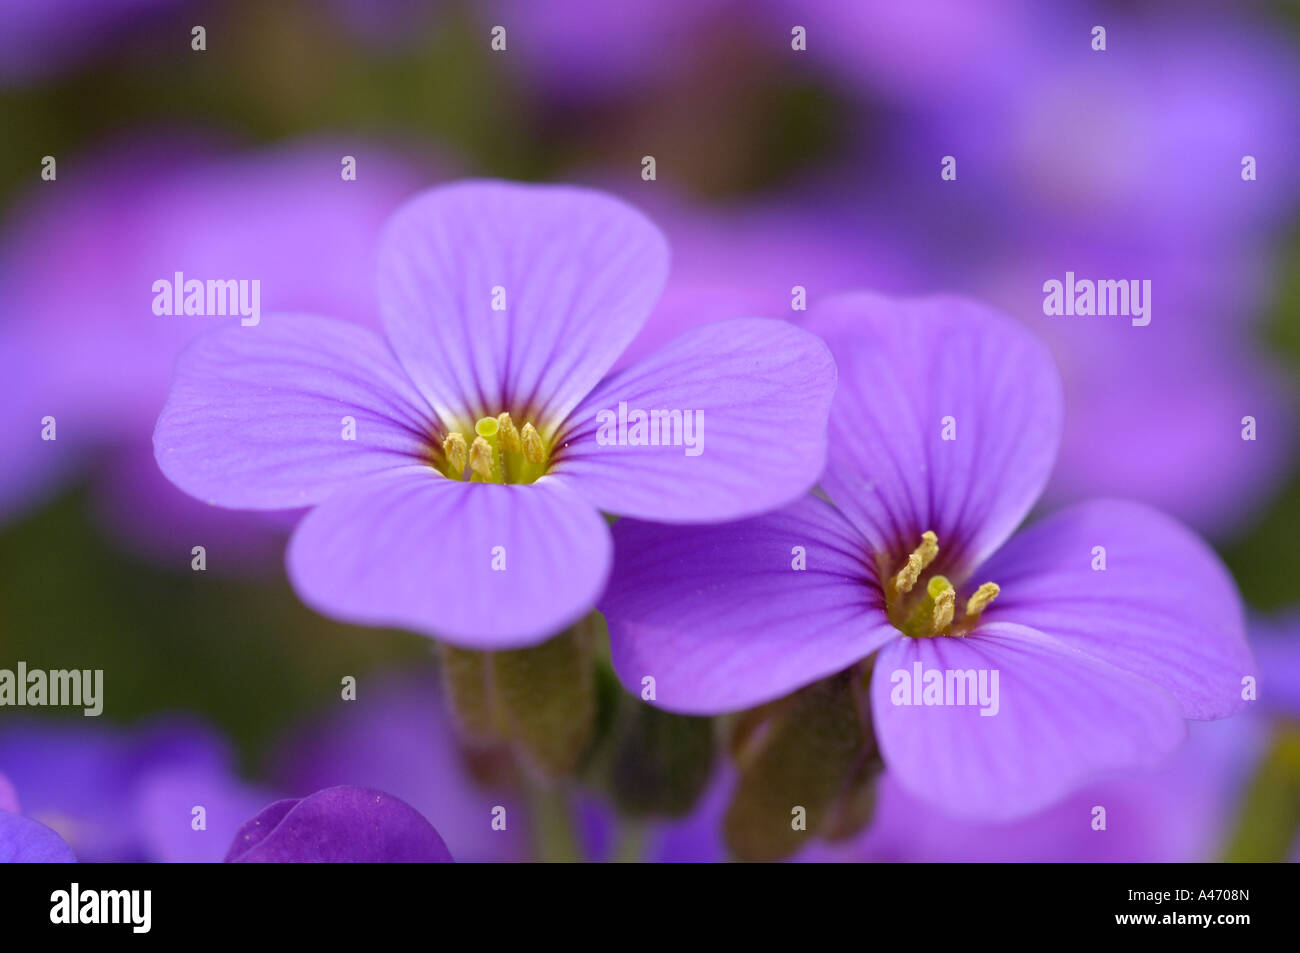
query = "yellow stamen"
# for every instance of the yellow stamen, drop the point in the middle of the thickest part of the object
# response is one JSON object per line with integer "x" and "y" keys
{"x": 480, "y": 457}
{"x": 945, "y": 603}
{"x": 509, "y": 435}
{"x": 921, "y": 557}
{"x": 534, "y": 449}
{"x": 980, "y": 600}
{"x": 456, "y": 452}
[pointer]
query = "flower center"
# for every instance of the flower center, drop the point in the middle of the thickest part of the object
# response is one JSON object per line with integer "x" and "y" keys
{"x": 930, "y": 610}
{"x": 494, "y": 452}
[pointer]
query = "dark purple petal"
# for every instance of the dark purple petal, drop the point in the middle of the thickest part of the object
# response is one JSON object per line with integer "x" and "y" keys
{"x": 25, "y": 841}
{"x": 755, "y": 394}
{"x": 1164, "y": 607}
{"x": 721, "y": 620}
{"x": 905, "y": 367}
{"x": 580, "y": 271}
{"x": 338, "y": 826}
{"x": 399, "y": 736}
{"x": 417, "y": 550}
{"x": 1060, "y": 719}
{"x": 255, "y": 419}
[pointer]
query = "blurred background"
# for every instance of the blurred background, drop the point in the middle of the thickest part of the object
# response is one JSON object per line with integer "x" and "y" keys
{"x": 128, "y": 155}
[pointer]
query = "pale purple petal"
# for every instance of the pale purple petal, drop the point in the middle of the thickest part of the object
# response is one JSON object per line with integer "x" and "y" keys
{"x": 256, "y": 416}
{"x": 337, "y": 826}
{"x": 721, "y": 620}
{"x": 24, "y": 841}
{"x": 1061, "y": 718}
{"x": 8, "y": 796}
{"x": 165, "y": 802}
{"x": 579, "y": 270}
{"x": 1164, "y": 606}
{"x": 1181, "y": 812}
{"x": 751, "y": 397}
{"x": 416, "y": 550}
{"x": 905, "y": 367}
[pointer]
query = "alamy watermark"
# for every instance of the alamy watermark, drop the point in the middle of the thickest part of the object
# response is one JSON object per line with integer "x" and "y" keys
{"x": 215, "y": 296}
{"x": 653, "y": 428}
{"x": 1108, "y": 296}
{"x": 77, "y": 688}
{"x": 946, "y": 687}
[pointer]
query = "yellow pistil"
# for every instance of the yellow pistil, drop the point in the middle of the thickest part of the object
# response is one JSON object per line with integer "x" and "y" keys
{"x": 494, "y": 451}
{"x": 919, "y": 559}
{"x": 534, "y": 449}
{"x": 456, "y": 452}
{"x": 980, "y": 601}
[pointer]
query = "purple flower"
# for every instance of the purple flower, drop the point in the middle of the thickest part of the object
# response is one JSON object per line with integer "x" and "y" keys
{"x": 1091, "y": 635}
{"x": 458, "y": 470}
{"x": 398, "y": 736}
{"x": 1181, "y": 812}
{"x": 115, "y": 795}
{"x": 338, "y": 826}
{"x": 23, "y": 840}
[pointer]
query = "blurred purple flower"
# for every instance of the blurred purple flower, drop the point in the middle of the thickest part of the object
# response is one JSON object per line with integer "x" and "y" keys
{"x": 1097, "y": 668}
{"x": 1180, "y": 812}
{"x": 911, "y": 53}
{"x": 1152, "y": 132}
{"x": 588, "y": 49}
{"x": 37, "y": 37}
{"x": 78, "y": 263}
{"x": 335, "y": 826}
{"x": 23, "y": 840}
{"x": 129, "y": 795}
{"x": 1135, "y": 427}
{"x": 1276, "y": 641}
{"x": 398, "y": 737}
{"x": 423, "y": 517}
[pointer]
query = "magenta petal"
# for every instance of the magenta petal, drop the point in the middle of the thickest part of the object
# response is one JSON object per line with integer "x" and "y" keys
{"x": 25, "y": 841}
{"x": 721, "y": 620}
{"x": 758, "y": 392}
{"x": 416, "y": 550}
{"x": 338, "y": 826}
{"x": 1164, "y": 607}
{"x": 579, "y": 271}
{"x": 257, "y": 415}
{"x": 1062, "y": 718}
{"x": 905, "y": 367}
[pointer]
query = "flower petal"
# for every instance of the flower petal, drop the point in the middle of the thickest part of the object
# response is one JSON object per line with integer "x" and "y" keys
{"x": 1164, "y": 607}
{"x": 905, "y": 367}
{"x": 417, "y": 550}
{"x": 755, "y": 394}
{"x": 338, "y": 826}
{"x": 579, "y": 271}
{"x": 1061, "y": 718}
{"x": 722, "y": 620}
{"x": 25, "y": 841}
{"x": 256, "y": 415}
